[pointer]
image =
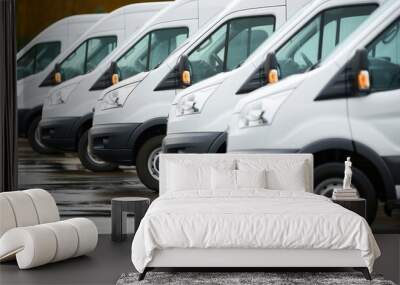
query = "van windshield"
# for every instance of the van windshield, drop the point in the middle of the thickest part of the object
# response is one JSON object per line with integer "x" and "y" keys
{"x": 87, "y": 56}
{"x": 316, "y": 40}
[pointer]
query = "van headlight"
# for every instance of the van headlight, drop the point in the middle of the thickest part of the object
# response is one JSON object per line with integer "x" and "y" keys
{"x": 194, "y": 102}
{"x": 116, "y": 98}
{"x": 261, "y": 111}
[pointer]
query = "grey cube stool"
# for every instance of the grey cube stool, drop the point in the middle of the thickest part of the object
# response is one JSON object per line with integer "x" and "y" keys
{"x": 119, "y": 209}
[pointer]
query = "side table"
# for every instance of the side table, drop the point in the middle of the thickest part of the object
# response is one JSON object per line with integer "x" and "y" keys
{"x": 357, "y": 205}
{"x": 119, "y": 209}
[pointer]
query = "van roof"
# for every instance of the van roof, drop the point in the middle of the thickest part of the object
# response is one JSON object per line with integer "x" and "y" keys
{"x": 140, "y": 7}
{"x": 128, "y": 9}
{"x": 60, "y": 26}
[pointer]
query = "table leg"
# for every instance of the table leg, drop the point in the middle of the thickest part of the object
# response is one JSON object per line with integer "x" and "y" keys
{"x": 118, "y": 223}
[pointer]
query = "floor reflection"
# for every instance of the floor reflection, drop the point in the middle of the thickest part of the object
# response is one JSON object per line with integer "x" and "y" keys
{"x": 77, "y": 191}
{"x": 81, "y": 192}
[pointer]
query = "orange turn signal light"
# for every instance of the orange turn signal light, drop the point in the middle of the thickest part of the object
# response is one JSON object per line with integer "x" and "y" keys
{"x": 363, "y": 80}
{"x": 186, "y": 80}
{"x": 114, "y": 79}
{"x": 273, "y": 76}
{"x": 57, "y": 77}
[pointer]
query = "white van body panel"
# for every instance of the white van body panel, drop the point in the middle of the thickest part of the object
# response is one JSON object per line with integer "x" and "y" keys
{"x": 121, "y": 23}
{"x": 215, "y": 114}
{"x": 367, "y": 120}
{"x": 67, "y": 31}
{"x": 82, "y": 101}
{"x": 375, "y": 120}
{"x": 144, "y": 103}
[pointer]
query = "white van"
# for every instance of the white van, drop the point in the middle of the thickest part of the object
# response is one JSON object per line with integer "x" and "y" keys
{"x": 130, "y": 130}
{"x": 68, "y": 111}
{"x": 199, "y": 116}
{"x": 100, "y": 39}
{"x": 33, "y": 59}
{"x": 348, "y": 106}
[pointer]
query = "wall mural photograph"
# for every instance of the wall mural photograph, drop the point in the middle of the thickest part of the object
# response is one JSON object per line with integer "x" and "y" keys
{"x": 200, "y": 141}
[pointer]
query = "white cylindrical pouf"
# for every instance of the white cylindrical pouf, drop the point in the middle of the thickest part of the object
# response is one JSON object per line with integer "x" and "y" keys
{"x": 45, "y": 205}
{"x": 87, "y": 234}
{"x": 7, "y": 218}
{"x": 23, "y": 207}
{"x": 67, "y": 240}
{"x": 33, "y": 246}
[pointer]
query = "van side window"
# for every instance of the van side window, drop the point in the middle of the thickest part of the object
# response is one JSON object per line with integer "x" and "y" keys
{"x": 97, "y": 50}
{"x": 162, "y": 43}
{"x": 150, "y": 51}
{"x": 229, "y": 46}
{"x": 319, "y": 37}
{"x": 37, "y": 58}
{"x": 384, "y": 59}
{"x": 87, "y": 56}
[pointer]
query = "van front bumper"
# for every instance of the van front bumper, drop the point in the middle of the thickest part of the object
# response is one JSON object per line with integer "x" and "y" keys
{"x": 207, "y": 142}
{"x": 113, "y": 142}
{"x": 59, "y": 133}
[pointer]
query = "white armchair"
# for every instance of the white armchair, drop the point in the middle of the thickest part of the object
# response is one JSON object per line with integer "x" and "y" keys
{"x": 31, "y": 231}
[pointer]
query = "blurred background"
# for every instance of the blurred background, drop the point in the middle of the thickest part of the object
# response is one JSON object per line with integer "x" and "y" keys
{"x": 33, "y": 16}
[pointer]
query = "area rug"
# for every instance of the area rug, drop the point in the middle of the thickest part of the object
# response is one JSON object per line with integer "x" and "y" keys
{"x": 244, "y": 278}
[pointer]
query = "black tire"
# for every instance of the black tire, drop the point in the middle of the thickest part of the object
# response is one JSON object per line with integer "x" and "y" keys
{"x": 331, "y": 172}
{"x": 142, "y": 161}
{"x": 34, "y": 138}
{"x": 88, "y": 160}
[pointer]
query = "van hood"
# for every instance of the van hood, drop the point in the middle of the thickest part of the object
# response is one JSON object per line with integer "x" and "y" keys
{"x": 288, "y": 84}
{"x": 136, "y": 78}
{"x": 215, "y": 80}
{"x": 66, "y": 84}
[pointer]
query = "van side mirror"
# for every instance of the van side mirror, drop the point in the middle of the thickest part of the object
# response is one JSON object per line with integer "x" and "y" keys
{"x": 184, "y": 71}
{"x": 114, "y": 73}
{"x": 271, "y": 68}
{"x": 360, "y": 67}
{"x": 57, "y": 73}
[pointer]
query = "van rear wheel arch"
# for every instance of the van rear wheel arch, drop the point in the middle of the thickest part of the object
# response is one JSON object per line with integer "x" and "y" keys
{"x": 363, "y": 157}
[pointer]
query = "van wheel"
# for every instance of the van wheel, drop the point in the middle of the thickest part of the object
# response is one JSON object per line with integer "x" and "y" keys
{"x": 34, "y": 138}
{"x": 89, "y": 160}
{"x": 330, "y": 175}
{"x": 147, "y": 162}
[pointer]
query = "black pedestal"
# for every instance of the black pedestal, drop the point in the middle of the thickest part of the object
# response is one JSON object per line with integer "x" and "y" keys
{"x": 119, "y": 209}
{"x": 357, "y": 205}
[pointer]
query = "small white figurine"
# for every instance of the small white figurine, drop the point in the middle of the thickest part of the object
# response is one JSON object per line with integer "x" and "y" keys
{"x": 347, "y": 174}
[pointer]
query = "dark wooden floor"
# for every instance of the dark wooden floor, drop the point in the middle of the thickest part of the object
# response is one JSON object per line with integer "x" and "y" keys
{"x": 110, "y": 259}
{"x": 103, "y": 266}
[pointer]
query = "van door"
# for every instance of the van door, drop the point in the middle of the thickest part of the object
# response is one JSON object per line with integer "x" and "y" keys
{"x": 375, "y": 117}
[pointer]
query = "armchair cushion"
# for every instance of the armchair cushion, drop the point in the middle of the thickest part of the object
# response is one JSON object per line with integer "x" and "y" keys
{"x": 41, "y": 244}
{"x": 31, "y": 233}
